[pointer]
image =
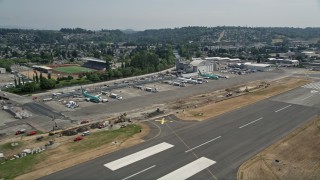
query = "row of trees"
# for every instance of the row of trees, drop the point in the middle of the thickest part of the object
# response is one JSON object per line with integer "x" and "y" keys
{"x": 140, "y": 62}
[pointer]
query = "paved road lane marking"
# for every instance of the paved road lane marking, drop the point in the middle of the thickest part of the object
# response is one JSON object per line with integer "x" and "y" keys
{"x": 203, "y": 144}
{"x": 132, "y": 158}
{"x": 282, "y": 108}
{"x": 189, "y": 170}
{"x": 306, "y": 98}
{"x": 251, "y": 122}
{"x": 139, "y": 172}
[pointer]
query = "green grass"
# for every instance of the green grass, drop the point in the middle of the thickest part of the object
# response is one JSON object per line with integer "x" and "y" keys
{"x": 72, "y": 82}
{"x": 8, "y": 146}
{"x": 17, "y": 167}
{"x": 104, "y": 137}
{"x": 14, "y": 168}
{"x": 73, "y": 69}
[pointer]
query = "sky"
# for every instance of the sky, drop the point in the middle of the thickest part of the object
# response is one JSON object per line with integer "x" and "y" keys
{"x": 156, "y": 14}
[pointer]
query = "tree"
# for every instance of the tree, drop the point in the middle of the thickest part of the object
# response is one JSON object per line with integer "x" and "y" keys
{"x": 74, "y": 54}
{"x": 94, "y": 77}
{"x": 37, "y": 78}
{"x": 108, "y": 62}
{"x": 29, "y": 87}
{"x": 19, "y": 80}
{"x": 47, "y": 83}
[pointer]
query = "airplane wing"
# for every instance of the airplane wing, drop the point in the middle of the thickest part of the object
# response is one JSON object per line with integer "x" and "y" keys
{"x": 98, "y": 95}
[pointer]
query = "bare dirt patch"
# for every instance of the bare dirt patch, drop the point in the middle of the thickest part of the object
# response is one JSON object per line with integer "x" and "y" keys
{"x": 295, "y": 157}
{"x": 209, "y": 105}
{"x": 60, "y": 158}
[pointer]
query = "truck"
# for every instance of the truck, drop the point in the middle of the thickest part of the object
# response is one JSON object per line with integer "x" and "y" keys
{"x": 104, "y": 100}
{"x": 148, "y": 89}
{"x": 113, "y": 95}
{"x": 47, "y": 99}
{"x": 21, "y": 131}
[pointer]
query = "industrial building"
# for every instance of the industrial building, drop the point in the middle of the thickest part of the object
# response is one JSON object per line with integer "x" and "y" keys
{"x": 284, "y": 62}
{"x": 187, "y": 66}
{"x": 2, "y": 70}
{"x": 205, "y": 65}
{"x": 259, "y": 67}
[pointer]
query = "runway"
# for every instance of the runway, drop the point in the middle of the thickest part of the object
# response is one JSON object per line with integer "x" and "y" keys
{"x": 212, "y": 149}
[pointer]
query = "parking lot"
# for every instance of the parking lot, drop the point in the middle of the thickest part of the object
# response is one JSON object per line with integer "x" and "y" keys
{"x": 136, "y": 88}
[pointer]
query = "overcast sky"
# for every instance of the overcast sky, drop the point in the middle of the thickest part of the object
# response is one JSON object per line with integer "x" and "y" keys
{"x": 154, "y": 14}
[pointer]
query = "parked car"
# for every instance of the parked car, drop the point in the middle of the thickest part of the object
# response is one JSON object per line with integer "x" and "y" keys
{"x": 100, "y": 126}
{"x": 84, "y": 122}
{"x": 31, "y": 133}
{"x": 79, "y": 138}
{"x": 21, "y": 131}
{"x": 86, "y": 133}
{"x": 39, "y": 138}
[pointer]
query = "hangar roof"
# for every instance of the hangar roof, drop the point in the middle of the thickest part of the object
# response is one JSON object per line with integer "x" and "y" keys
{"x": 196, "y": 62}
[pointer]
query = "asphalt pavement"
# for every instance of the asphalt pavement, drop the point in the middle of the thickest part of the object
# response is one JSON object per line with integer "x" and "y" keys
{"x": 127, "y": 105}
{"x": 211, "y": 149}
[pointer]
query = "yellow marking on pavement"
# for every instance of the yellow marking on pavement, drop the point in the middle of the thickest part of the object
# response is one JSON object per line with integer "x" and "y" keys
{"x": 163, "y": 121}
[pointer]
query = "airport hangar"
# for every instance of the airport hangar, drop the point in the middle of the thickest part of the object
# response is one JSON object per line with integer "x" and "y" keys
{"x": 202, "y": 65}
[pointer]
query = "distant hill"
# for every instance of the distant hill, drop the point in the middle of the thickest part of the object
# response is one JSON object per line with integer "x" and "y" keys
{"x": 129, "y": 31}
{"x": 208, "y": 36}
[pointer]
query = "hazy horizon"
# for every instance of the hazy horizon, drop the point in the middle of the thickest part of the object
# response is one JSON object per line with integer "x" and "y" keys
{"x": 157, "y": 14}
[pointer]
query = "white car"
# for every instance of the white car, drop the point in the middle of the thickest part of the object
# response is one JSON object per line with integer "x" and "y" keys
{"x": 86, "y": 133}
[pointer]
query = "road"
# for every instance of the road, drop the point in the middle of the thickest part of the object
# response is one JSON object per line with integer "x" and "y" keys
{"x": 212, "y": 149}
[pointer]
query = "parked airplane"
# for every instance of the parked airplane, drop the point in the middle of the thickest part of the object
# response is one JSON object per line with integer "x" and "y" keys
{"x": 90, "y": 97}
{"x": 210, "y": 76}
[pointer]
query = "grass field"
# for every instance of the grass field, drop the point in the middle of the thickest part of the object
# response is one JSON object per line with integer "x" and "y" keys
{"x": 104, "y": 137}
{"x": 12, "y": 169}
{"x": 73, "y": 69}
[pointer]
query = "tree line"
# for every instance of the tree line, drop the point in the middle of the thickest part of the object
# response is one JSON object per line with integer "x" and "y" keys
{"x": 140, "y": 62}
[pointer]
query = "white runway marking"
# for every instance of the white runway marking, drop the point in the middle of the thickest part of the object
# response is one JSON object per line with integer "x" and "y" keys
{"x": 251, "y": 122}
{"x": 139, "y": 172}
{"x": 306, "y": 98}
{"x": 132, "y": 158}
{"x": 282, "y": 108}
{"x": 203, "y": 144}
{"x": 315, "y": 85}
{"x": 189, "y": 170}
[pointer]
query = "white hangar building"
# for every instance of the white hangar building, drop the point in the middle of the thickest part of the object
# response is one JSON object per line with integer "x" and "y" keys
{"x": 188, "y": 66}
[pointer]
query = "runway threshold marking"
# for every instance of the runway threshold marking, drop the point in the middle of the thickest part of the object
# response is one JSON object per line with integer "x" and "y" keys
{"x": 189, "y": 170}
{"x": 306, "y": 98}
{"x": 282, "y": 108}
{"x": 132, "y": 158}
{"x": 139, "y": 172}
{"x": 203, "y": 144}
{"x": 250, "y": 123}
